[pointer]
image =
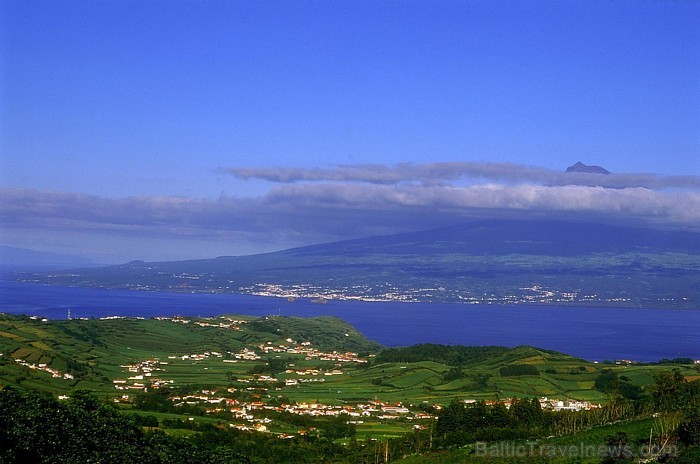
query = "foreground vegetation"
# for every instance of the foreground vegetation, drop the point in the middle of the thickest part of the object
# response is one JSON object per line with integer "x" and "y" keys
{"x": 280, "y": 389}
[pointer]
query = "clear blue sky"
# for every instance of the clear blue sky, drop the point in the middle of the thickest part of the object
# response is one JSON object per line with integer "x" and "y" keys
{"x": 151, "y": 109}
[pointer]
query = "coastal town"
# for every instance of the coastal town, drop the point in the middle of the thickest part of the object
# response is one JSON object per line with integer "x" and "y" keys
{"x": 385, "y": 292}
{"x": 538, "y": 292}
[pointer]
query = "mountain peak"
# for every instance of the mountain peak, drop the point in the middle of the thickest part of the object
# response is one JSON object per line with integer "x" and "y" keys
{"x": 580, "y": 167}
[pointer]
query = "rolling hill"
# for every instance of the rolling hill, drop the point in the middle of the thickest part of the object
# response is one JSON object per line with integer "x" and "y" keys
{"x": 62, "y": 355}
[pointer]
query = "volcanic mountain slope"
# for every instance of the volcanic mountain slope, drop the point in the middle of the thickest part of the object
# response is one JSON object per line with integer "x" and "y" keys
{"x": 467, "y": 262}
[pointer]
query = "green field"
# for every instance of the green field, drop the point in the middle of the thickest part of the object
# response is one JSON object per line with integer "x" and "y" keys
{"x": 195, "y": 368}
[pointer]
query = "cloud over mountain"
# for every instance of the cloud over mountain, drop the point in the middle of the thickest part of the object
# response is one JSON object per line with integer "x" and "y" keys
{"x": 432, "y": 173}
{"x": 315, "y": 205}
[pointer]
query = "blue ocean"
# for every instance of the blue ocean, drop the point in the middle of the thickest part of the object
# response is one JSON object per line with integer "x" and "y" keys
{"x": 589, "y": 333}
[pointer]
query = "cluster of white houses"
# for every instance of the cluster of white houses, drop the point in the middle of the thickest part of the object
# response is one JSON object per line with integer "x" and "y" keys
{"x": 535, "y": 294}
{"x": 309, "y": 352}
{"x": 322, "y": 294}
{"x": 222, "y": 322}
{"x": 546, "y": 403}
{"x": 568, "y": 405}
{"x": 142, "y": 376}
{"x": 143, "y": 371}
{"x": 243, "y": 409}
{"x": 55, "y": 373}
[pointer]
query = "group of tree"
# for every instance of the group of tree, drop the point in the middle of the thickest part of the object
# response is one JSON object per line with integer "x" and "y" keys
{"x": 517, "y": 370}
{"x": 38, "y": 428}
{"x": 459, "y": 423}
{"x": 452, "y": 355}
{"x": 609, "y": 382}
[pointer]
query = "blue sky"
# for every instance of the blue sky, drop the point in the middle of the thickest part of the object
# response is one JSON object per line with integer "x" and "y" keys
{"x": 183, "y": 129}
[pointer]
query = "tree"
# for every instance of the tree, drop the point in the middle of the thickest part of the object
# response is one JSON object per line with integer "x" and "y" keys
{"x": 670, "y": 392}
{"x": 450, "y": 418}
{"x": 527, "y": 413}
{"x": 618, "y": 449}
{"x": 39, "y": 429}
{"x": 689, "y": 428}
{"x": 607, "y": 381}
{"x": 499, "y": 415}
{"x": 453, "y": 374}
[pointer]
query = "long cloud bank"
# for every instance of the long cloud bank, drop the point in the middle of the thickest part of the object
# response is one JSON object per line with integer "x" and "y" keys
{"x": 439, "y": 173}
{"x": 311, "y": 206}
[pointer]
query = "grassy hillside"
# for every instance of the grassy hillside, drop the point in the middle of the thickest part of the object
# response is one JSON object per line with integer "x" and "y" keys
{"x": 295, "y": 377}
{"x": 94, "y": 351}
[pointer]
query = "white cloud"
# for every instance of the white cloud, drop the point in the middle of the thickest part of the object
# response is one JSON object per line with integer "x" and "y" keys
{"x": 432, "y": 173}
{"x": 350, "y": 203}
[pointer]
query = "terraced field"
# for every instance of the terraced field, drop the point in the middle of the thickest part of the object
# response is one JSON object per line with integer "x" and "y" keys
{"x": 274, "y": 360}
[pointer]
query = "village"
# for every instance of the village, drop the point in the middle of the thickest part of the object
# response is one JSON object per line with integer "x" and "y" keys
{"x": 242, "y": 402}
{"x": 249, "y": 417}
{"x": 249, "y": 414}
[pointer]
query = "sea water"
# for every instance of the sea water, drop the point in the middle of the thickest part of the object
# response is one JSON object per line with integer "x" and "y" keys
{"x": 589, "y": 333}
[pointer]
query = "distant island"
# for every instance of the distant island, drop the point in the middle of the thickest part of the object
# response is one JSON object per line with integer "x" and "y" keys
{"x": 480, "y": 262}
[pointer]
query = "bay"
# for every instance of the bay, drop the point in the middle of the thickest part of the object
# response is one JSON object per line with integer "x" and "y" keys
{"x": 590, "y": 333}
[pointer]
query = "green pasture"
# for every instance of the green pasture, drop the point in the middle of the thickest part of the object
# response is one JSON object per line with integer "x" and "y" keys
{"x": 94, "y": 351}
